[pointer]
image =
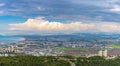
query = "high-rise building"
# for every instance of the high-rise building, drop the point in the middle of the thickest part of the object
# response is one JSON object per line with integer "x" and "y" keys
{"x": 10, "y": 48}
{"x": 105, "y": 53}
{"x": 102, "y": 53}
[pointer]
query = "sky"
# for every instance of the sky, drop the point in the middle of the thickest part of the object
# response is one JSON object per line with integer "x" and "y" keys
{"x": 50, "y": 17}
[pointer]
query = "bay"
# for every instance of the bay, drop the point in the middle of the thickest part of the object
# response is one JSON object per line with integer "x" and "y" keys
{"x": 8, "y": 39}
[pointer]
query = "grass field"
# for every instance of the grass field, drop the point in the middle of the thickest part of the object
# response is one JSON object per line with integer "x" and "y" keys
{"x": 115, "y": 46}
{"x": 64, "y": 48}
{"x": 68, "y": 49}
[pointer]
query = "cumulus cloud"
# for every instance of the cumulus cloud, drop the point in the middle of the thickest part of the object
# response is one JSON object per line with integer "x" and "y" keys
{"x": 108, "y": 27}
{"x": 44, "y": 25}
{"x": 40, "y": 24}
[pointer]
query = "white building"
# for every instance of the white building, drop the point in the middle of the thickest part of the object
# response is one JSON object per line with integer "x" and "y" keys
{"x": 103, "y": 53}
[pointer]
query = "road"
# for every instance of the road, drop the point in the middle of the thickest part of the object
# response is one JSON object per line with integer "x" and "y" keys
{"x": 68, "y": 60}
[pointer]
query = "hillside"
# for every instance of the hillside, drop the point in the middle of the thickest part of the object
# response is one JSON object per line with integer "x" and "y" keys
{"x": 57, "y": 61}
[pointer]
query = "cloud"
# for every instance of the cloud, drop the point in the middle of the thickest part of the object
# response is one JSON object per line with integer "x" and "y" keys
{"x": 108, "y": 27}
{"x": 41, "y": 25}
{"x": 1, "y": 12}
{"x": 2, "y": 4}
{"x": 115, "y": 8}
{"x": 50, "y": 9}
{"x": 44, "y": 25}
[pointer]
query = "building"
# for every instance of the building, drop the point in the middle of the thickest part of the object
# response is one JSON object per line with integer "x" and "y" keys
{"x": 103, "y": 53}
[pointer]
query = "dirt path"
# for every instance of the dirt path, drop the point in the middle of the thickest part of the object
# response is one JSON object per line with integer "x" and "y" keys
{"x": 68, "y": 60}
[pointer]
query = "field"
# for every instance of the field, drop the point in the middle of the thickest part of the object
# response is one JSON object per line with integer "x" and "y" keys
{"x": 73, "y": 51}
{"x": 64, "y": 48}
{"x": 115, "y": 46}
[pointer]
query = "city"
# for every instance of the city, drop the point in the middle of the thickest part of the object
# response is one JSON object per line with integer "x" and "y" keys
{"x": 64, "y": 45}
{"x": 59, "y": 33}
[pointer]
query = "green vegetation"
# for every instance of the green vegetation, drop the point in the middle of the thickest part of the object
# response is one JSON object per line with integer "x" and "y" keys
{"x": 97, "y": 61}
{"x": 76, "y": 55}
{"x": 115, "y": 46}
{"x": 57, "y": 61}
{"x": 32, "y": 61}
{"x": 69, "y": 49}
{"x": 64, "y": 48}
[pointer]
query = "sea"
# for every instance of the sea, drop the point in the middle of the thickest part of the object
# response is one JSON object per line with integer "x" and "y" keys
{"x": 9, "y": 39}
